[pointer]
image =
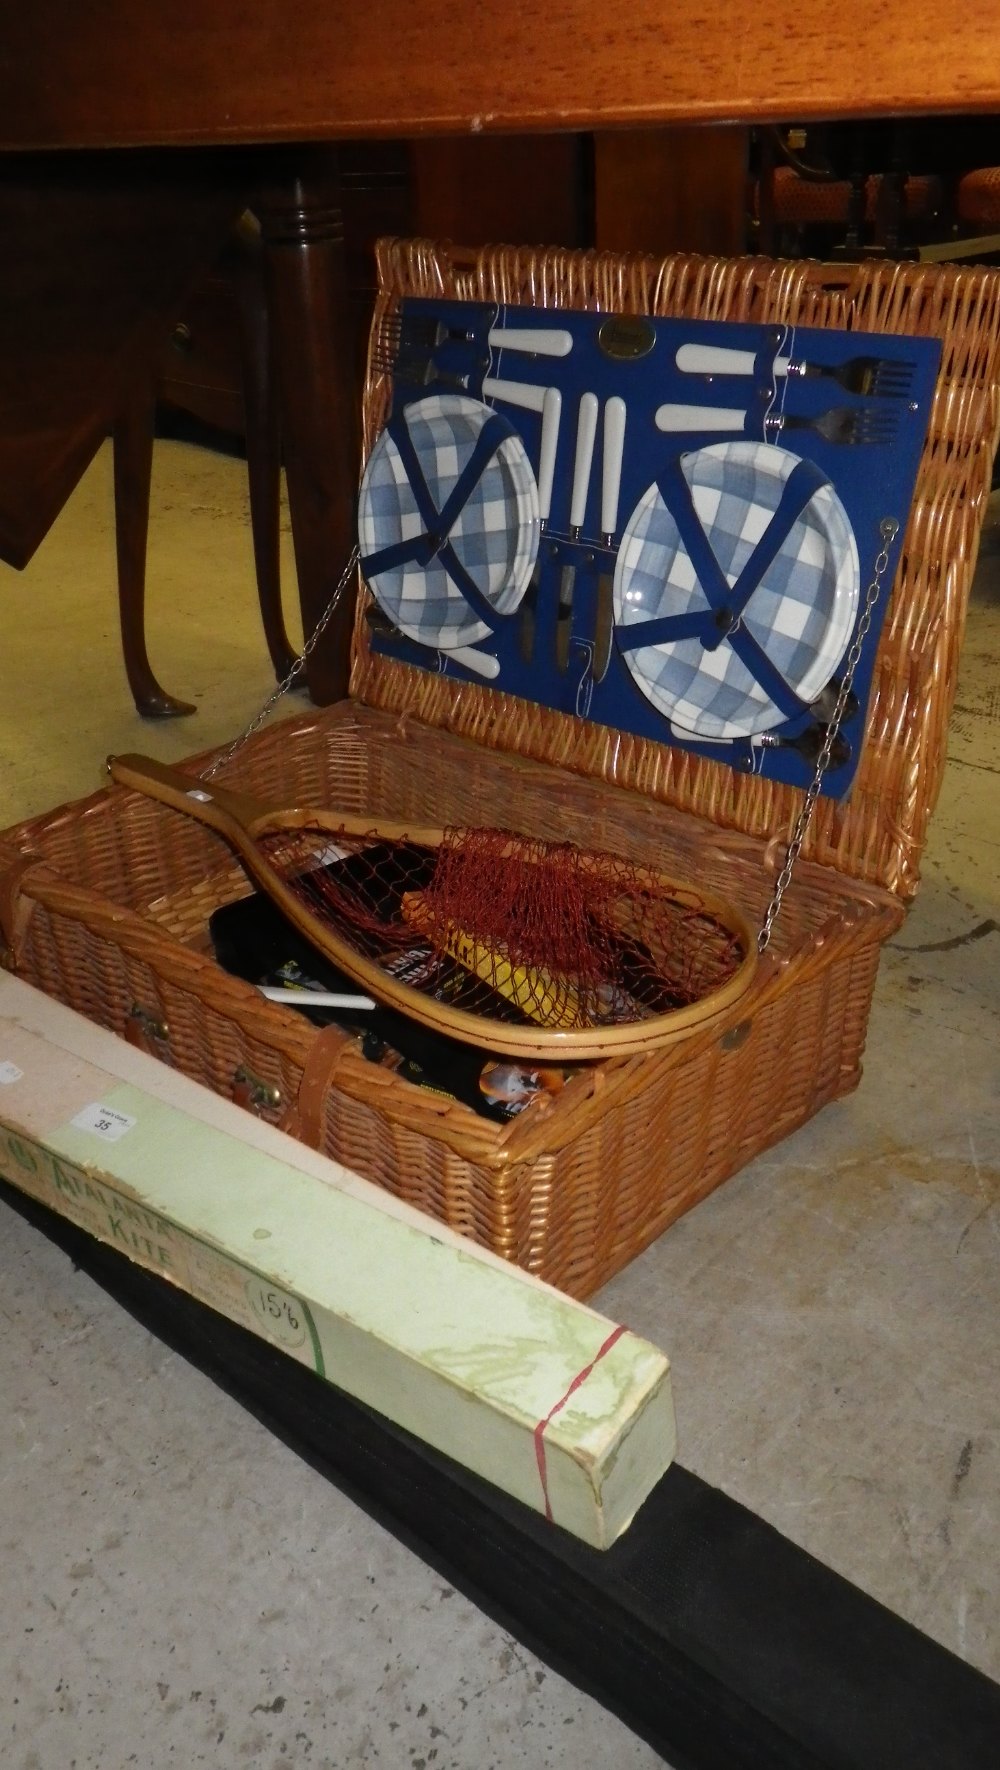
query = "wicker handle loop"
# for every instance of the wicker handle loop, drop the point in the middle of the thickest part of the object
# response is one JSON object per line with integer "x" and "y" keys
{"x": 306, "y": 1119}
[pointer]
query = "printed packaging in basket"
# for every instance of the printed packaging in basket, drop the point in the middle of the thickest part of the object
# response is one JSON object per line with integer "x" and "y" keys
{"x": 106, "y": 904}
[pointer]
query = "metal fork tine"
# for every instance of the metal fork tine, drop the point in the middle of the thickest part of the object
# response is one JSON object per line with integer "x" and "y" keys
{"x": 875, "y": 433}
{"x": 422, "y": 372}
{"x": 420, "y": 334}
{"x": 866, "y": 375}
{"x": 887, "y": 416}
{"x": 846, "y": 424}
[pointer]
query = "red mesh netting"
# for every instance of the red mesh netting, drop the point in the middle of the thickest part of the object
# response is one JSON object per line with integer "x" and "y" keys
{"x": 514, "y": 929}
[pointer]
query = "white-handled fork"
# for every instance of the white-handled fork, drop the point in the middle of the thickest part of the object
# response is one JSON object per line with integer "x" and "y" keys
{"x": 873, "y": 376}
{"x": 674, "y": 418}
{"x": 533, "y": 340}
{"x": 848, "y": 425}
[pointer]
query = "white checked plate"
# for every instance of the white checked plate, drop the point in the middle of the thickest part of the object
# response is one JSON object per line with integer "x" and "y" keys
{"x": 801, "y": 614}
{"x": 495, "y": 535}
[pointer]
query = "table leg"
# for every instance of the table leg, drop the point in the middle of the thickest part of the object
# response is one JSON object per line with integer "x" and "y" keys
{"x": 302, "y": 229}
{"x": 133, "y": 458}
{"x": 263, "y": 441}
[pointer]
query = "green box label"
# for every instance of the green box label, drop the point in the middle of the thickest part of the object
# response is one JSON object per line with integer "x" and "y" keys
{"x": 249, "y": 1298}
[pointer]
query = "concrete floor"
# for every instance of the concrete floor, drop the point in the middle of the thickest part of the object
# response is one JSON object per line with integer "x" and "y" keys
{"x": 181, "y": 1590}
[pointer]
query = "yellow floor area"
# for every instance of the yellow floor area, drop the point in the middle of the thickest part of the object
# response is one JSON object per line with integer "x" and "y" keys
{"x": 65, "y": 703}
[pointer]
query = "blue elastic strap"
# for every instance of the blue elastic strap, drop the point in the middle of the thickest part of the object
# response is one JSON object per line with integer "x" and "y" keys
{"x": 676, "y": 494}
{"x": 667, "y": 629}
{"x": 802, "y": 484}
{"x": 766, "y": 674}
{"x": 421, "y": 549}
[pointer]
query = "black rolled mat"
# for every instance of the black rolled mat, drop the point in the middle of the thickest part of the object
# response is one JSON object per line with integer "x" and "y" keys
{"x": 721, "y": 1643}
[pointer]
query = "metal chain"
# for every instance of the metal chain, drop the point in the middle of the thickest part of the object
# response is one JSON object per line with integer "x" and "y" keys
{"x": 286, "y": 682}
{"x": 888, "y": 530}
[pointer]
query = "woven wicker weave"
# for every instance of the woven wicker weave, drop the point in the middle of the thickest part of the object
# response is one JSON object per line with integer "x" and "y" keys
{"x": 105, "y": 904}
{"x": 111, "y": 917}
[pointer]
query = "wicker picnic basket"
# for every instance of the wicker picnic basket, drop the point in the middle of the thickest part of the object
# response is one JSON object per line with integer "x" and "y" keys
{"x": 105, "y": 904}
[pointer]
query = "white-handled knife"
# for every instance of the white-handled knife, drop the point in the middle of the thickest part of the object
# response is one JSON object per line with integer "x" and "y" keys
{"x": 673, "y": 418}
{"x": 586, "y": 436}
{"x": 551, "y": 419}
{"x": 481, "y": 662}
{"x": 611, "y": 480}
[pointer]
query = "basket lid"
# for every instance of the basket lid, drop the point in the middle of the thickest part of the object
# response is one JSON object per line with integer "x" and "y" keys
{"x": 876, "y": 833}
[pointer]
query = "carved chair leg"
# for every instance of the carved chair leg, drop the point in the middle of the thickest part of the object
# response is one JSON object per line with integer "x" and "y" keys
{"x": 133, "y": 459}
{"x": 302, "y": 228}
{"x": 263, "y": 441}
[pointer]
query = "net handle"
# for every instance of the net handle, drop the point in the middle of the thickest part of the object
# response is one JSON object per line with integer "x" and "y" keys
{"x": 229, "y": 811}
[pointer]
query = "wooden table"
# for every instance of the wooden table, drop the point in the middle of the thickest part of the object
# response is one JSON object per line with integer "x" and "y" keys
{"x": 128, "y": 72}
{"x": 276, "y": 83}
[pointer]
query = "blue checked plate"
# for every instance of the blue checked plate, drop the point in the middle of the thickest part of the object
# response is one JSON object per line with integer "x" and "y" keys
{"x": 494, "y": 537}
{"x": 801, "y": 613}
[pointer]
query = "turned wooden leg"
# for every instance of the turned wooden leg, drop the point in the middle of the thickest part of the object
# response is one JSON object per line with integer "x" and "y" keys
{"x": 263, "y": 440}
{"x": 133, "y": 460}
{"x": 302, "y": 229}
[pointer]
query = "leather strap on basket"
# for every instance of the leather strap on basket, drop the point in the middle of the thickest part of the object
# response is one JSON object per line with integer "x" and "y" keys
{"x": 306, "y": 1117}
